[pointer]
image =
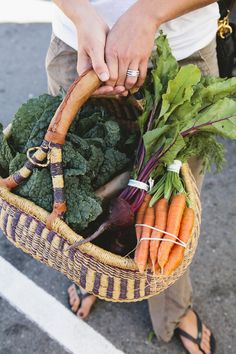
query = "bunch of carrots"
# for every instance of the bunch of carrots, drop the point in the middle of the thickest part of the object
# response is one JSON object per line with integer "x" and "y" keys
{"x": 157, "y": 248}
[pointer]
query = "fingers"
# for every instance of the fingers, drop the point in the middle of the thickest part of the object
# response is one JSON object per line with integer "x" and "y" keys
{"x": 113, "y": 73}
{"x": 99, "y": 65}
{"x": 111, "y": 91}
{"x": 130, "y": 81}
{"x": 86, "y": 62}
{"x": 103, "y": 90}
{"x": 112, "y": 64}
{"x": 122, "y": 72}
{"x": 83, "y": 62}
{"x": 142, "y": 74}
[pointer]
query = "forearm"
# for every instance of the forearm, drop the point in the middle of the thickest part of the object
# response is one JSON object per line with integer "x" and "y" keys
{"x": 162, "y": 11}
{"x": 76, "y": 10}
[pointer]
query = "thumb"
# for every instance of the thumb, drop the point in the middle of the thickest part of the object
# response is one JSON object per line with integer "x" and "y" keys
{"x": 100, "y": 66}
{"x": 83, "y": 62}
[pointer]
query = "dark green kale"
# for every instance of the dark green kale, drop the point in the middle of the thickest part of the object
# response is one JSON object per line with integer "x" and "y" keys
{"x": 38, "y": 189}
{"x": 112, "y": 136}
{"x": 27, "y": 116}
{"x": 84, "y": 125}
{"x": 114, "y": 163}
{"x": 6, "y": 154}
{"x": 95, "y": 162}
{"x": 83, "y": 206}
{"x": 92, "y": 155}
{"x": 40, "y": 127}
{"x": 17, "y": 162}
{"x": 73, "y": 160}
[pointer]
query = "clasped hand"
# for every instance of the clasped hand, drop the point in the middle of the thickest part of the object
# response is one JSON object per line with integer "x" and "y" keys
{"x": 111, "y": 52}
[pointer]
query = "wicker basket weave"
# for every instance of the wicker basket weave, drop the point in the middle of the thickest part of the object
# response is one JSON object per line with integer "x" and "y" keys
{"x": 108, "y": 276}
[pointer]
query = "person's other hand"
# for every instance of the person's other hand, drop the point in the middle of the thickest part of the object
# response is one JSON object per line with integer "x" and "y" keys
{"x": 129, "y": 46}
{"x": 92, "y": 34}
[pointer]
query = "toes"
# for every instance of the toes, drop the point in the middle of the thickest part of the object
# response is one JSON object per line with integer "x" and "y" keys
{"x": 86, "y": 306}
{"x": 206, "y": 330}
{"x": 75, "y": 305}
{"x": 71, "y": 289}
{"x": 74, "y": 299}
{"x": 81, "y": 314}
{"x": 206, "y": 347}
{"x": 205, "y": 344}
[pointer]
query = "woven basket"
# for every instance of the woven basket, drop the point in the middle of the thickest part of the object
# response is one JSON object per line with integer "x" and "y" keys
{"x": 108, "y": 276}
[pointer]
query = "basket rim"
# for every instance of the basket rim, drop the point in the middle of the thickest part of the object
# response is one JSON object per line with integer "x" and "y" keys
{"x": 63, "y": 230}
{"x": 95, "y": 260}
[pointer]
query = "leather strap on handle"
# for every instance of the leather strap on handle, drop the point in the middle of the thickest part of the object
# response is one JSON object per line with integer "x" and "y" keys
{"x": 77, "y": 95}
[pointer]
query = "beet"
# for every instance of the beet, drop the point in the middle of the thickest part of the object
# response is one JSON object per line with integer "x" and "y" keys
{"x": 120, "y": 215}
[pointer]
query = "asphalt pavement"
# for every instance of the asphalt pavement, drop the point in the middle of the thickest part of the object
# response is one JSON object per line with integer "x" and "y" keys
{"x": 127, "y": 326}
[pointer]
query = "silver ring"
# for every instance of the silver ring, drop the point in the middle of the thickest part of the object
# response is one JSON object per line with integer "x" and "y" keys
{"x": 132, "y": 73}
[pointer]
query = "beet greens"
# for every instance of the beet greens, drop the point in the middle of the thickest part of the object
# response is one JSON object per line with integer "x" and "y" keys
{"x": 183, "y": 113}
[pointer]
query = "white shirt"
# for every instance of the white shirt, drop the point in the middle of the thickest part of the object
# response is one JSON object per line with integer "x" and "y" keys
{"x": 186, "y": 34}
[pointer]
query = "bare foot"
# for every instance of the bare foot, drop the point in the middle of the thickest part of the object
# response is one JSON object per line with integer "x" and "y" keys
{"x": 189, "y": 325}
{"x": 81, "y": 305}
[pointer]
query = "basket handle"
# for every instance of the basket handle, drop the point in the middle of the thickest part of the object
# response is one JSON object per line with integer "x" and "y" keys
{"x": 78, "y": 94}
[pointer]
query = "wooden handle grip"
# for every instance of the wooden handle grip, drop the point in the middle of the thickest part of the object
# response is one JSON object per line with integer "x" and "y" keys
{"x": 77, "y": 95}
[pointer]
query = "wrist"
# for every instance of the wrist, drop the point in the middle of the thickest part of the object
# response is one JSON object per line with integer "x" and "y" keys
{"x": 81, "y": 12}
{"x": 76, "y": 10}
{"x": 152, "y": 12}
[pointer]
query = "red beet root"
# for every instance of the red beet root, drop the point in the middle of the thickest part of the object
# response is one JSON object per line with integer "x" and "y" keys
{"x": 120, "y": 215}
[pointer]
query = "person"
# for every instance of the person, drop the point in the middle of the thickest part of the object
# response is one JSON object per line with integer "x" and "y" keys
{"x": 116, "y": 38}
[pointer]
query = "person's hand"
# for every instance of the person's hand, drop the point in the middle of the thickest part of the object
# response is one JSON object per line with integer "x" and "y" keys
{"x": 92, "y": 34}
{"x": 129, "y": 45}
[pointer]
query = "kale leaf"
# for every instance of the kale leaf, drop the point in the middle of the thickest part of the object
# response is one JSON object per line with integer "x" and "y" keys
{"x": 28, "y": 114}
{"x": 72, "y": 159}
{"x": 17, "y": 162}
{"x": 114, "y": 163}
{"x": 112, "y": 136}
{"x": 6, "y": 154}
{"x": 83, "y": 206}
{"x": 38, "y": 189}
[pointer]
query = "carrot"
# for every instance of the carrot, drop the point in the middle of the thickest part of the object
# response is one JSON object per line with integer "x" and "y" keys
{"x": 142, "y": 251}
{"x": 161, "y": 211}
{"x": 156, "y": 268}
{"x": 174, "y": 218}
{"x": 177, "y": 253}
{"x": 140, "y": 215}
{"x": 149, "y": 262}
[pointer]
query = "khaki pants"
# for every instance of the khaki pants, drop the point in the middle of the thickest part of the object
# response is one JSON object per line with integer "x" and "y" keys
{"x": 166, "y": 309}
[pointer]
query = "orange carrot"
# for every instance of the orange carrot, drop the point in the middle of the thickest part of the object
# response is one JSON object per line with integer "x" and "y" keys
{"x": 177, "y": 253}
{"x": 161, "y": 211}
{"x": 157, "y": 268}
{"x": 174, "y": 218}
{"x": 140, "y": 215}
{"x": 149, "y": 262}
{"x": 142, "y": 251}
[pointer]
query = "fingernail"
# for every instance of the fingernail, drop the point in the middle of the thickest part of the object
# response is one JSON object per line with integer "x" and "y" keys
{"x": 104, "y": 76}
{"x": 119, "y": 89}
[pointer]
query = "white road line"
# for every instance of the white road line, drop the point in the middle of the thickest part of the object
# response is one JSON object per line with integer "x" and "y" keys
{"x": 50, "y": 315}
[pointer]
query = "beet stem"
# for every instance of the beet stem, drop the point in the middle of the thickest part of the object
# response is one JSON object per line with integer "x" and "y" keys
{"x": 197, "y": 127}
{"x": 105, "y": 226}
